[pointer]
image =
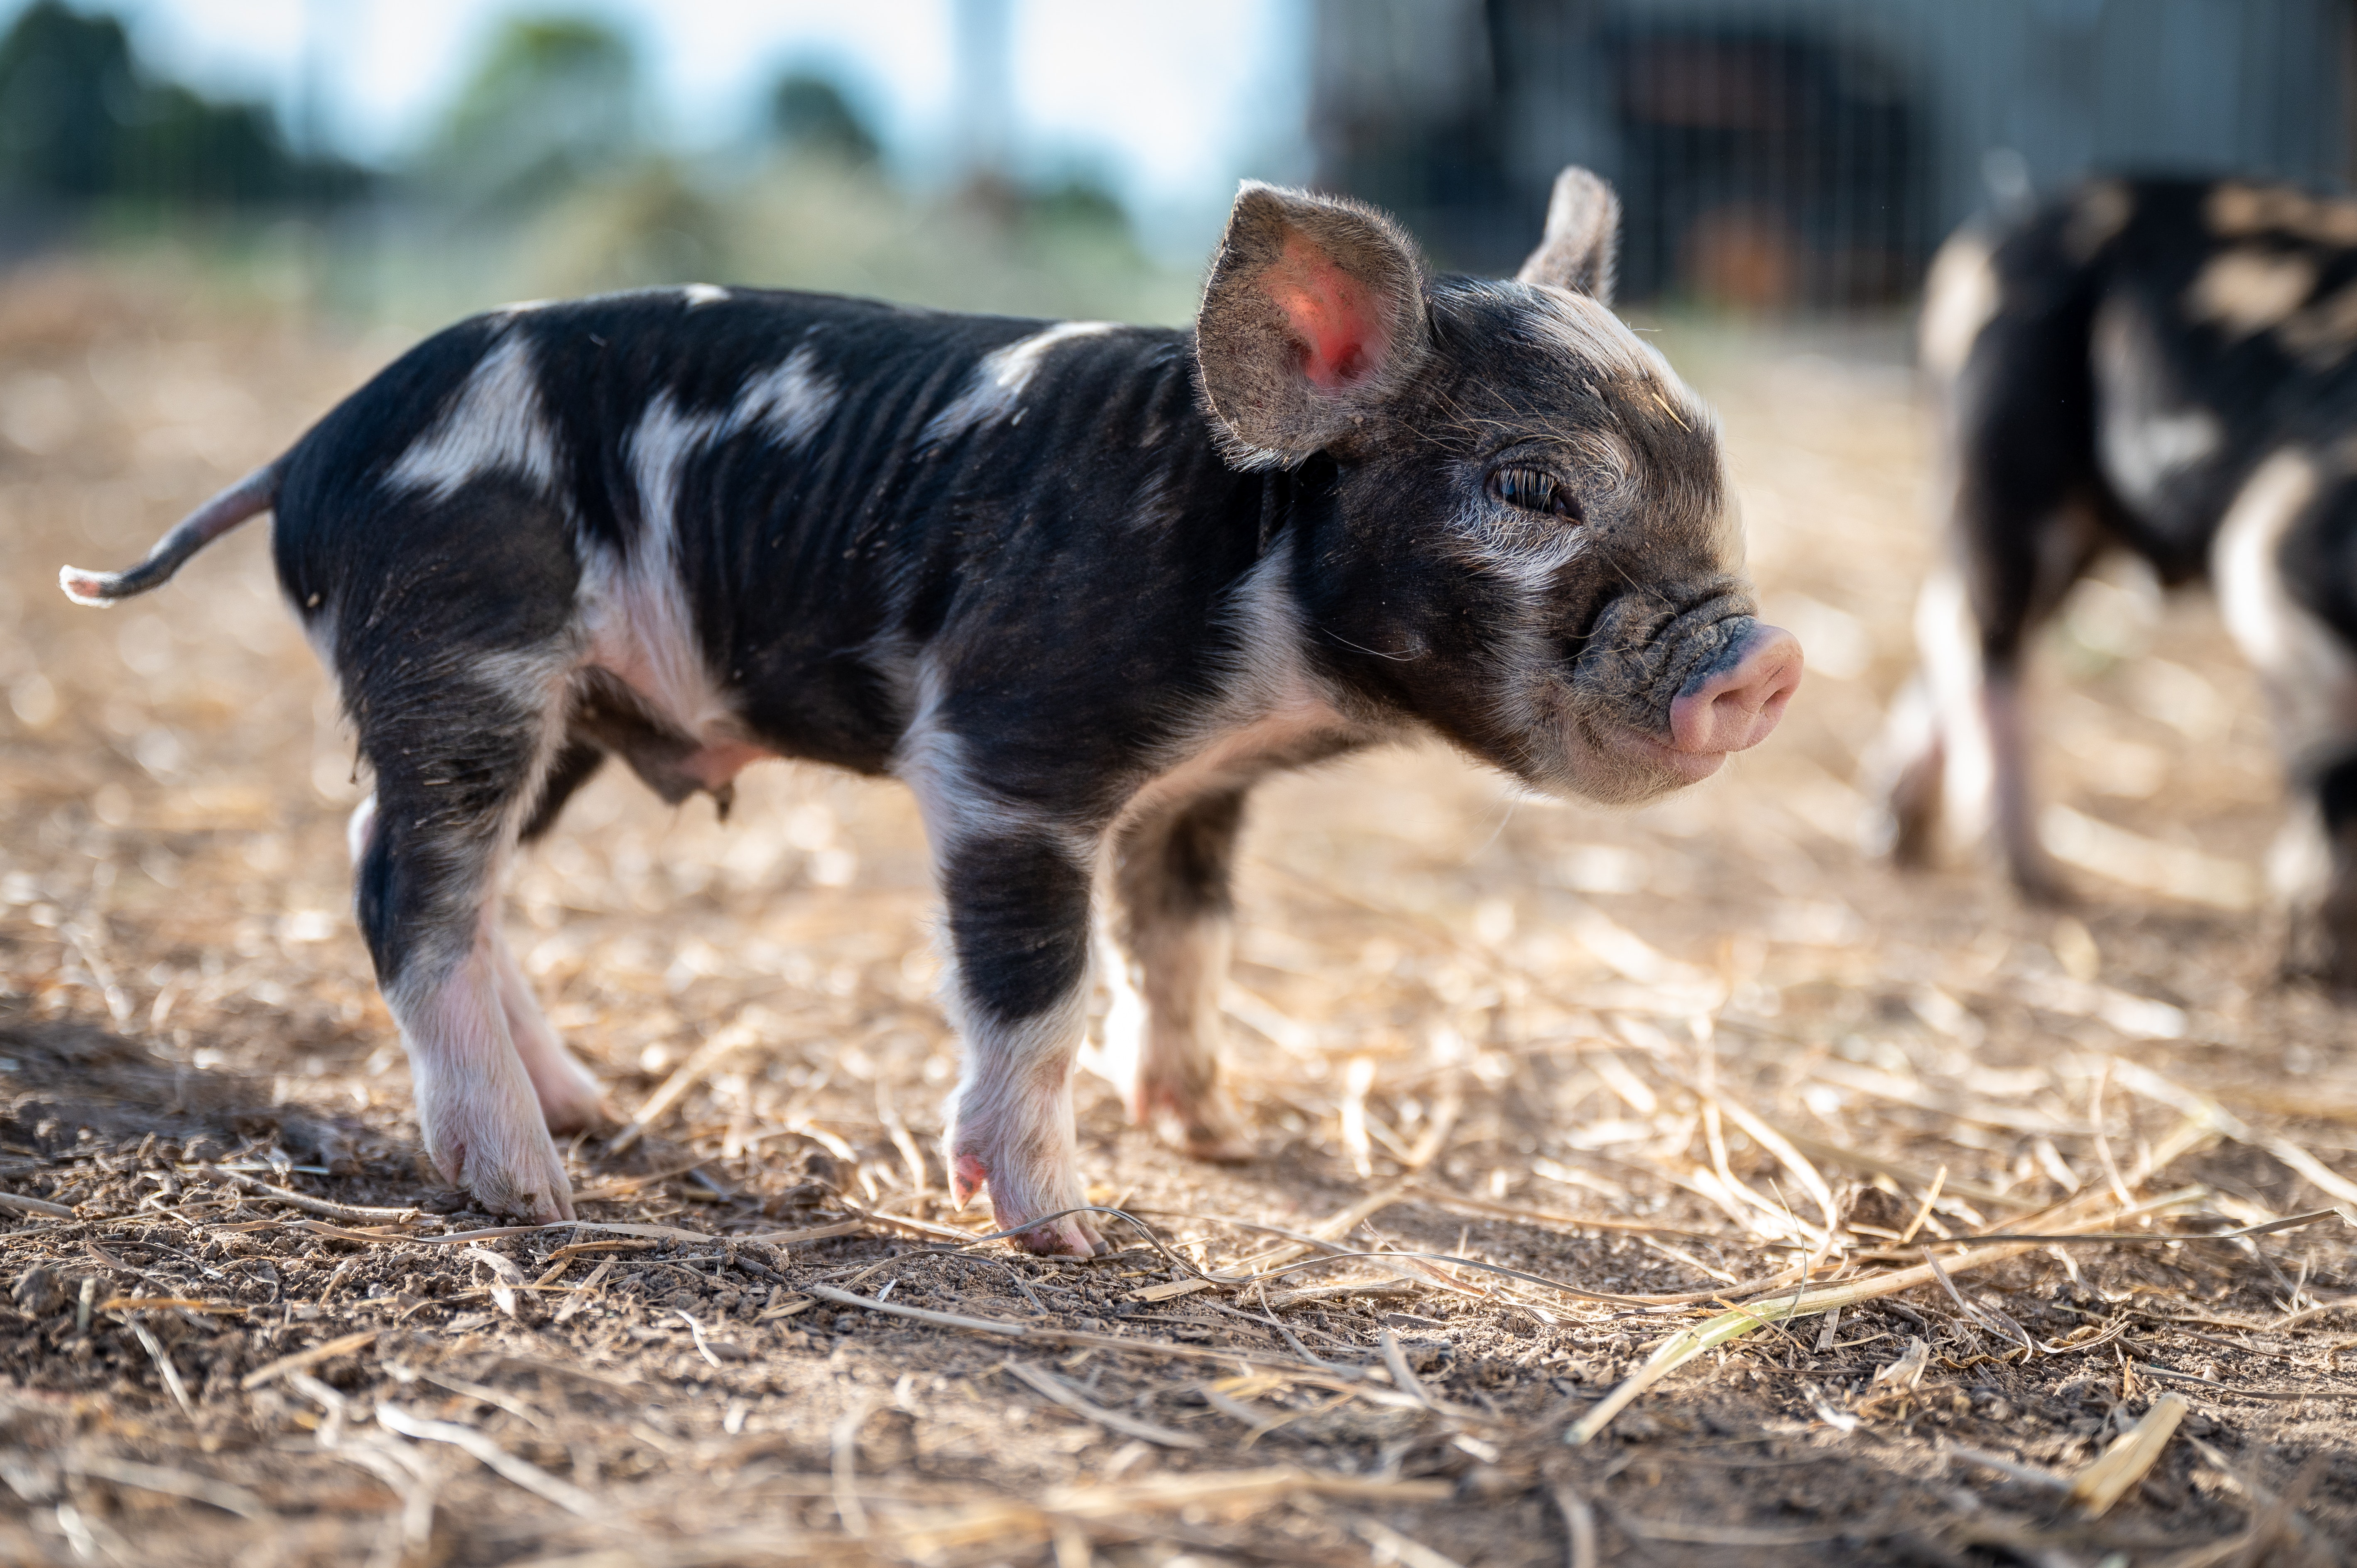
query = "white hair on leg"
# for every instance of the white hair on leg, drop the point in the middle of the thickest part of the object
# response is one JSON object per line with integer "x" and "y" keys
{"x": 360, "y": 827}
{"x": 2309, "y": 673}
{"x": 476, "y": 1109}
{"x": 1182, "y": 967}
{"x": 570, "y": 1099}
{"x": 2307, "y": 668}
{"x": 1931, "y": 764}
{"x": 1013, "y": 1098}
{"x": 1948, "y": 641}
{"x": 1117, "y": 1057}
{"x": 2012, "y": 804}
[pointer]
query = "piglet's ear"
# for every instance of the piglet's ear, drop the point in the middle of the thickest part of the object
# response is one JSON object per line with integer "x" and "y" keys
{"x": 1583, "y": 237}
{"x": 1313, "y": 317}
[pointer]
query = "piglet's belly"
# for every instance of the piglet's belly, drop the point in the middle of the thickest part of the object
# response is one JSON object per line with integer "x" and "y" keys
{"x": 673, "y": 760}
{"x": 714, "y": 763}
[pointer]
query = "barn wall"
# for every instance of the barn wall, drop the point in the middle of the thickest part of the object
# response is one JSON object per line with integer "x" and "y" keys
{"x": 1805, "y": 151}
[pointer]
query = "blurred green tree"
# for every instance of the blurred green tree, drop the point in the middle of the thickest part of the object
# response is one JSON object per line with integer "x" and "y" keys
{"x": 809, "y": 113}
{"x": 80, "y": 123}
{"x": 1080, "y": 201}
{"x": 555, "y": 99}
{"x": 66, "y": 87}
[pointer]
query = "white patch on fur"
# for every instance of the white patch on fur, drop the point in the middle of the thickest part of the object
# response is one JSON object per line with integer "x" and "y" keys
{"x": 2103, "y": 209}
{"x": 2324, "y": 334}
{"x": 1270, "y": 707}
{"x": 2144, "y": 455}
{"x": 2234, "y": 210}
{"x": 2308, "y": 670}
{"x": 360, "y": 828}
{"x": 697, "y": 294}
{"x": 2146, "y": 441}
{"x": 495, "y": 426}
{"x": 1594, "y": 335}
{"x": 2247, "y": 289}
{"x": 957, "y": 806}
{"x": 792, "y": 401}
{"x": 1960, "y": 297}
{"x": 1948, "y": 640}
{"x": 636, "y": 611}
{"x": 997, "y": 387}
{"x": 531, "y": 679}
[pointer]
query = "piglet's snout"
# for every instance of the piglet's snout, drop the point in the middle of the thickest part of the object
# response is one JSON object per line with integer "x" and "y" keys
{"x": 1736, "y": 701}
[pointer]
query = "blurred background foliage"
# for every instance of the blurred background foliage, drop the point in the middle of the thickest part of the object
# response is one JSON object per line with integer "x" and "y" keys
{"x": 82, "y": 122}
{"x": 542, "y": 177}
{"x": 1773, "y": 155}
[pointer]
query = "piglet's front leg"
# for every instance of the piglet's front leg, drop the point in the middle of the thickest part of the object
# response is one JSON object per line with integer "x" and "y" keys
{"x": 1019, "y": 915}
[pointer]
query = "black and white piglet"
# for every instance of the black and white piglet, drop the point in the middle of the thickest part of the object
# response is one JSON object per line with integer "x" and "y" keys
{"x": 2169, "y": 368}
{"x": 1078, "y": 585}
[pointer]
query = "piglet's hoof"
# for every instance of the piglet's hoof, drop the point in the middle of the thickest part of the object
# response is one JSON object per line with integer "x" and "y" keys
{"x": 1201, "y": 1127}
{"x": 586, "y": 1114}
{"x": 1070, "y": 1236}
{"x": 532, "y": 1191}
{"x": 501, "y": 1153}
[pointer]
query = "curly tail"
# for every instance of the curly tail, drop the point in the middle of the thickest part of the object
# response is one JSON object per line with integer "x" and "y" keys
{"x": 251, "y": 495}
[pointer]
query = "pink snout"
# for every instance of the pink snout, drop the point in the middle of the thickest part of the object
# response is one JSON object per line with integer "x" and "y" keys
{"x": 1736, "y": 703}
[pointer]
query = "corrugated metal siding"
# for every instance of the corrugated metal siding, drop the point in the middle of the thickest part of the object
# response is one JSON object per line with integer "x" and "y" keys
{"x": 1806, "y": 151}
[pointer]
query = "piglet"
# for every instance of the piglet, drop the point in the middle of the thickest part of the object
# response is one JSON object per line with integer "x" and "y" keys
{"x": 2158, "y": 369}
{"x": 1079, "y": 585}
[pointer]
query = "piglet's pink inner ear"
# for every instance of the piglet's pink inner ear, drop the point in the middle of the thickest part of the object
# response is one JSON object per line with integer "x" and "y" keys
{"x": 1313, "y": 320}
{"x": 1342, "y": 329}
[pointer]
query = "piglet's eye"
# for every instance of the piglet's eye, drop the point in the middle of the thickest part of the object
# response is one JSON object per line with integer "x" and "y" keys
{"x": 1534, "y": 489}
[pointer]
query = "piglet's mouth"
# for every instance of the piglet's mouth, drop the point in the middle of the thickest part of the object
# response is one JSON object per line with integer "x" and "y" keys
{"x": 1686, "y": 767}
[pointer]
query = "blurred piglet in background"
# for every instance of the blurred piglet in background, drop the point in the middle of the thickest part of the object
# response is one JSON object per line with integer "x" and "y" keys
{"x": 1078, "y": 585}
{"x": 2160, "y": 367}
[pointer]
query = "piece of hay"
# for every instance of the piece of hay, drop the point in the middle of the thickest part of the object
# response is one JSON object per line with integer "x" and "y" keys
{"x": 1047, "y": 1384}
{"x": 303, "y": 1360}
{"x": 2131, "y": 1456}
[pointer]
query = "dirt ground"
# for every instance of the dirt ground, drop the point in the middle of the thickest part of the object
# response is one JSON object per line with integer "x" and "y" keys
{"x": 1666, "y": 1059}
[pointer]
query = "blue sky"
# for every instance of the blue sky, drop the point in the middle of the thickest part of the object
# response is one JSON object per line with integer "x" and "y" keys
{"x": 1170, "y": 102}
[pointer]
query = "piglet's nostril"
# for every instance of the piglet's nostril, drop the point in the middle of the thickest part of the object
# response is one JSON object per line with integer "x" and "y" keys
{"x": 1736, "y": 705}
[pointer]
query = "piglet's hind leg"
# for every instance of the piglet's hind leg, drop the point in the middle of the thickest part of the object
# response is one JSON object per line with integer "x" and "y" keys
{"x": 482, "y": 1123}
{"x": 569, "y": 1097}
{"x": 1174, "y": 928}
{"x": 429, "y": 856}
